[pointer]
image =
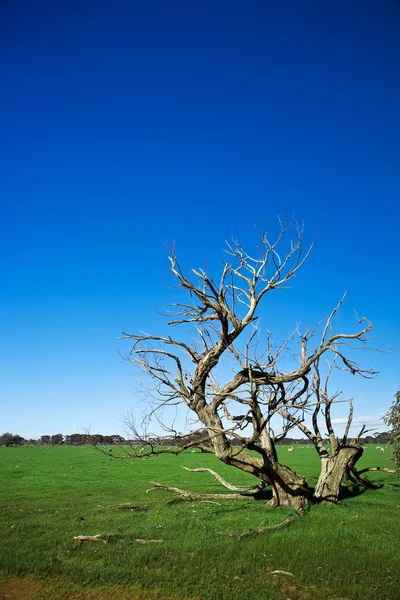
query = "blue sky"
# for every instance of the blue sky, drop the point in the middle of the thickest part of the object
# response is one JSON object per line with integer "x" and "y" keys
{"x": 126, "y": 125}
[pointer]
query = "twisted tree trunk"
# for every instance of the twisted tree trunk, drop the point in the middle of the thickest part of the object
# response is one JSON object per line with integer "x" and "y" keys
{"x": 333, "y": 469}
{"x": 288, "y": 488}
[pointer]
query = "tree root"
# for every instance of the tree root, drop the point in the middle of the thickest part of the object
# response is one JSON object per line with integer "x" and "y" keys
{"x": 186, "y": 495}
{"x": 223, "y": 482}
{"x": 259, "y": 530}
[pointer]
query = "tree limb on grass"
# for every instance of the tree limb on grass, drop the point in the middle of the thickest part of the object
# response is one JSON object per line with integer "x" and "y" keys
{"x": 92, "y": 538}
{"x": 105, "y": 538}
{"x": 222, "y": 481}
{"x": 377, "y": 469}
{"x": 186, "y": 495}
{"x": 133, "y": 507}
{"x": 139, "y": 541}
{"x": 259, "y": 530}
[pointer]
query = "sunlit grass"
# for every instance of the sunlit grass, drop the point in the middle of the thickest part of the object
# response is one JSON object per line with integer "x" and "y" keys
{"x": 348, "y": 551}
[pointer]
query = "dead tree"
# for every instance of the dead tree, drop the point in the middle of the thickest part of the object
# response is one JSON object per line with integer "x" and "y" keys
{"x": 237, "y": 411}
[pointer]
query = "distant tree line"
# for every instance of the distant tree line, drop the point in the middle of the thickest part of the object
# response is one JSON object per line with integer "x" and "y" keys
{"x": 73, "y": 439}
{"x": 97, "y": 439}
{"x": 10, "y": 439}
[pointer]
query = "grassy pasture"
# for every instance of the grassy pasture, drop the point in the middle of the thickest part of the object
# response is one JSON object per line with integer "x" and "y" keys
{"x": 350, "y": 551}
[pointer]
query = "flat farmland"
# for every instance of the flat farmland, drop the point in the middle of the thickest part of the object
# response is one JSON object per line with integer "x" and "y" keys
{"x": 50, "y": 495}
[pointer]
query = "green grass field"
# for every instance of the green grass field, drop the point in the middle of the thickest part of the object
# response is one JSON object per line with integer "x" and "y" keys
{"x": 50, "y": 495}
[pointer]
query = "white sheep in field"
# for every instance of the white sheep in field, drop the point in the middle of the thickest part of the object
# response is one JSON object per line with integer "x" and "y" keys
{"x": 382, "y": 449}
{"x": 290, "y": 450}
{"x": 378, "y": 448}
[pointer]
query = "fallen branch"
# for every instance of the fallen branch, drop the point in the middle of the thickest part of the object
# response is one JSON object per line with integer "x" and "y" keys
{"x": 133, "y": 507}
{"x": 222, "y": 481}
{"x": 239, "y": 536}
{"x": 106, "y": 538}
{"x": 178, "y": 500}
{"x": 186, "y": 495}
{"x": 378, "y": 469}
{"x": 92, "y": 538}
{"x": 354, "y": 476}
{"x": 127, "y": 506}
{"x": 138, "y": 541}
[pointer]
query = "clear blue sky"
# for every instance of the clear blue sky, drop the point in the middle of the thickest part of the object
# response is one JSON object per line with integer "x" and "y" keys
{"x": 126, "y": 124}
